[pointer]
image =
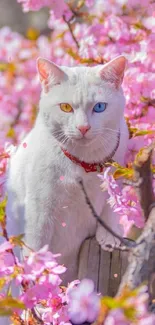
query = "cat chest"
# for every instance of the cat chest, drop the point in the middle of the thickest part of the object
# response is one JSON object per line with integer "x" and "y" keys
{"x": 73, "y": 219}
{"x": 71, "y": 204}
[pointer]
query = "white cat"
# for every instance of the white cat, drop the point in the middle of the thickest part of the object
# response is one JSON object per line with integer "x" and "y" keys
{"x": 80, "y": 124}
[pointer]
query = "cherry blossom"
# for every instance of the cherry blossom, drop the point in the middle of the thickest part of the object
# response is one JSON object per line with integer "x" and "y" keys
{"x": 84, "y": 303}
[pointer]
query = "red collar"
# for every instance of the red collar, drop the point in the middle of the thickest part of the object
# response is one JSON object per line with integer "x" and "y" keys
{"x": 93, "y": 167}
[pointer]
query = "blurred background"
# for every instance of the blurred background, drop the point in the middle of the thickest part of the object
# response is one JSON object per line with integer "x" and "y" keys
{"x": 11, "y": 15}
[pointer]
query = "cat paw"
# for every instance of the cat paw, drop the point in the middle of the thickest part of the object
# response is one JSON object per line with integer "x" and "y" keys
{"x": 106, "y": 240}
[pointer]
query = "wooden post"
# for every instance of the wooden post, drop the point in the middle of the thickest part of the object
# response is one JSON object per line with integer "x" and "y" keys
{"x": 104, "y": 268}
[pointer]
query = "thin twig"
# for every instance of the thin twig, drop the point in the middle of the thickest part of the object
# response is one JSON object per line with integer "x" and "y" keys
{"x": 39, "y": 320}
{"x": 125, "y": 241}
{"x": 18, "y": 318}
{"x": 71, "y": 31}
{"x": 5, "y": 235}
{"x": 16, "y": 120}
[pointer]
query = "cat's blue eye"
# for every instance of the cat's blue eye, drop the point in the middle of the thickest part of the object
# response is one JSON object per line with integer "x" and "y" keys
{"x": 99, "y": 107}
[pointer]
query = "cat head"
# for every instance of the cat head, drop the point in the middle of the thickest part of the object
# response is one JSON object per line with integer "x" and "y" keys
{"x": 82, "y": 106}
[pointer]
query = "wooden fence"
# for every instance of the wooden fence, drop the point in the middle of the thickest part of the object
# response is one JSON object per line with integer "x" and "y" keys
{"x": 104, "y": 268}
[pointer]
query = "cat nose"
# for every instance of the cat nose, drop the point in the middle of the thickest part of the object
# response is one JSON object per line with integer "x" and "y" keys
{"x": 83, "y": 128}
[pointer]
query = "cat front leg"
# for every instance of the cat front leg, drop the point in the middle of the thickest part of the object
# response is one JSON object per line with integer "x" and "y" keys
{"x": 107, "y": 241}
{"x": 38, "y": 223}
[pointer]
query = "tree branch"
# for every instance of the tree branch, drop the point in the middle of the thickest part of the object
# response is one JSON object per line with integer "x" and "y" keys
{"x": 142, "y": 257}
{"x": 143, "y": 176}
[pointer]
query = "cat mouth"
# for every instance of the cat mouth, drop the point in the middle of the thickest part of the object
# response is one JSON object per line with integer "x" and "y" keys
{"x": 83, "y": 141}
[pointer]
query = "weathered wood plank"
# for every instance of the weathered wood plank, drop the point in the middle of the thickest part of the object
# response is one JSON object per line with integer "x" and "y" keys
{"x": 104, "y": 272}
{"x": 104, "y": 268}
{"x": 94, "y": 262}
{"x": 83, "y": 260}
{"x": 124, "y": 262}
{"x": 114, "y": 273}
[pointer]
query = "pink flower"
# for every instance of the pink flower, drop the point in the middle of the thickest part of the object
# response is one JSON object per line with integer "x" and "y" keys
{"x": 5, "y": 246}
{"x": 134, "y": 145}
{"x": 90, "y": 3}
{"x": 33, "y": 295}
{"x": 47, "y": 315}
{"x": 116, "y": 317}
{"x": 60, "y": 8}
{"x": 46, "y": 288}
{"x": 147, "y": 320}
{"x": 59, "y": 317}
{"x": 123, "y": 201}
{"x": 7, "y": 261}
{"x": 38, "y": 261}
{"x": 84, "y": 303}
{"x": 34, "y": 4}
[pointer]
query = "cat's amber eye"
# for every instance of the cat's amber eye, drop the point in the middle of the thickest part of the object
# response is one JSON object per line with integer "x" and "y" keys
{"x": 66, "y": 108}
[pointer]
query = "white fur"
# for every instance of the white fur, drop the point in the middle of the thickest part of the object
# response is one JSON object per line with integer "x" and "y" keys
{"x": 38, "y": 201}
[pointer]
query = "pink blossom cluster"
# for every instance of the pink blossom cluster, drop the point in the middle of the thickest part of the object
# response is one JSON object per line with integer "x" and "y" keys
{"x": 83, "y": 32}
{"x": 41, "y": 292}
{"x": 38, "y": 276}
{"x": 124, "y": 202}
{"x": 58, "y": 9}
{"x": 140, "y": 315}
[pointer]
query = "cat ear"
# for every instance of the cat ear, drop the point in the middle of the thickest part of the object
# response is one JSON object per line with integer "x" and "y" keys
{"x": 113, "y": 71}
{"x": 49, "y": 73}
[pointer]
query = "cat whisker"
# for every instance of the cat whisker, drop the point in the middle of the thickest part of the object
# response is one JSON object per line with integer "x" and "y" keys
{"x": 60, "y": 136}
{"x": 64, "y": 140}
{"x": 104, "y": 142}
{"x": 112, "y": 130}
{"x": 57, "y": 133}
{"x": 109, "y": 137}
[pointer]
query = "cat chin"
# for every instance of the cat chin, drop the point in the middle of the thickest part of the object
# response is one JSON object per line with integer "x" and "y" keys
{"x": 82, "y": 141}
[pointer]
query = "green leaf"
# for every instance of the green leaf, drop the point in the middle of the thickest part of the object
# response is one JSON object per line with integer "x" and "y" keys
{"x": 4, "y": 312}
{"x": 123, "y": 172}
{"x": 110, "y": 302}
{"x": 143, "y": 132}
{"x": 32, "y": 34}
{"x": 2, "y": 283}
{"x": 11, "y": 133}
{"x": 3, "y": 66}
{"x": 3, "y": 203}
{"x": 2, "y": 215}
{"x": 72, "y": 54}
{"x": 11, "y": 303}
{"x": 17, "y": 240}
{"x": 9, "y": 290}
{"x": 153, "y": 169}
{"x": 135, "y": 132}
{"x": 2, "y": 209}
{"x": 130, "y": 313}
{"x": 139, "y": 25}
{"x": 144, "y": 99}
{"x": 7, "y": 67}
